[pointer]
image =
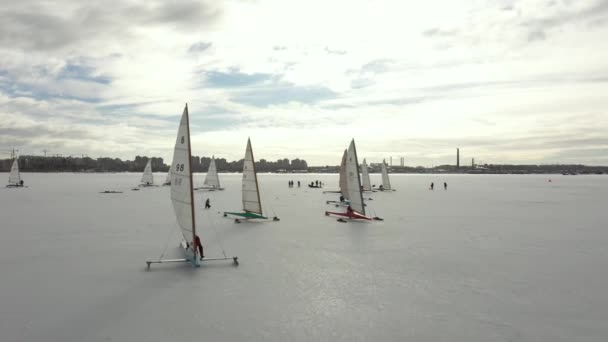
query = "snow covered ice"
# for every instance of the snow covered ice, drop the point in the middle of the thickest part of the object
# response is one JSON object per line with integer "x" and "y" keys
{"x": 493, "y": 258}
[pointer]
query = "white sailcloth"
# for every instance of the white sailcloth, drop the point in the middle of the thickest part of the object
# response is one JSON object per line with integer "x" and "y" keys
{"x": 353, "y": 183}
{"x": 181, "y": 181}
{"x": 342, "y": 180}
{"x": 386, "y": 183}
{"x": 367, "y": 184}
{"x": 148, "y": 177}
{"x": 251, "y": 192}
{"x": 14, "y": 177}
{"x": 212, "y": 179}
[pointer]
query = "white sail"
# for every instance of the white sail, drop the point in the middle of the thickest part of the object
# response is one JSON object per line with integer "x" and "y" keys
{"x": 212, "y": 179}
{"x": 367, "y": 184}
{"x": 342, "y": 180}
{"x": 148, "y": 177}
{"x": 386, "y": 183}
{"x": 181, "y": 181}
{"x": 14, "y": 177}
{"x": 251, "y": 192}
{"x": 353, "y": 183}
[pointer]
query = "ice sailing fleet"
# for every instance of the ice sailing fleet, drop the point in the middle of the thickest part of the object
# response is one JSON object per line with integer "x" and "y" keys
{"x": 354, "y": 180}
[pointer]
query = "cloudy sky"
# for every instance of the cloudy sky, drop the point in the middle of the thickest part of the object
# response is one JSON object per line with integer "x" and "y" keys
{"x": 506, "y": 81}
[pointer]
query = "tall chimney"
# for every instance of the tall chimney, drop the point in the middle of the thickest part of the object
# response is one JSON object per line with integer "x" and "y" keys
{"x": 458, "y": 158}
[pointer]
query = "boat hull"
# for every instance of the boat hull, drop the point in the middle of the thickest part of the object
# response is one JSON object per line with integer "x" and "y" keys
{"x": 351, "y": 215}
{"x": 190, "y": 255}
{"x": 247, "y": 215}
{"x": 208, "y": 188}
{"x": 338, "y": 203}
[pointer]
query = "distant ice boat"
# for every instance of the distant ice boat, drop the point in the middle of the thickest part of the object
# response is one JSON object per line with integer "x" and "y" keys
{"x": 342, "y": 182}
{"x": 14, "y": 177}
{"x": 352, "y": 188}
{"x": 212, "y": 179}
{"x": 386, "y": 182}
{"x": 168, "y": 179}
{"x": 147, "y": 179}
{"x": 366, "y": 183}
{"x": 252, "y": 205}
{"x": 182, "y": 197}
{"x": 341, "y": 178}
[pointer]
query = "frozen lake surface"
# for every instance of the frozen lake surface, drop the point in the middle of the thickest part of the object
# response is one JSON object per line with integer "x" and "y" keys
{"x": 493, "y": 258}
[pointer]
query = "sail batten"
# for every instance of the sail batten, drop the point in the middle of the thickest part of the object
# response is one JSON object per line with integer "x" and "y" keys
{"x": 181, "y": 181}
{"x": 353, "y": 183}
{"x": 251, "y": 191}
{"x": 14, "y": 177}
{"x": 148, "y": 177}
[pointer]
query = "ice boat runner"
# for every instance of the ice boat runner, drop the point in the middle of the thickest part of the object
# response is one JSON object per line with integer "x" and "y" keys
{"x": 386, "y": 183}
{"x": 356, "y": 209}
{"x": 182, "y": 197}
{"x": 252, "y": 205}
{"x": 212, "y": 180}
{"x": 14, "y": 178}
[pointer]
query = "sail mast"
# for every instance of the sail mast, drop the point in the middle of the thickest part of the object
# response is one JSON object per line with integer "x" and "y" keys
{"x": 191, "y": 183}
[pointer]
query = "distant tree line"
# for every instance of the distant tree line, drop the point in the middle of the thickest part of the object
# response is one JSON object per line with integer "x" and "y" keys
{"x": 201, "y": 164}
{"x": 105, "y": 164}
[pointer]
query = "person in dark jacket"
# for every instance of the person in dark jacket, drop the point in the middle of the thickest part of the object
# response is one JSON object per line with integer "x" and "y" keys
{"x": 198, "y": 245}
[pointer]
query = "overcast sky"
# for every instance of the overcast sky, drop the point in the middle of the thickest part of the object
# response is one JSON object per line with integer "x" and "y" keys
{"x": 506, "y": 81}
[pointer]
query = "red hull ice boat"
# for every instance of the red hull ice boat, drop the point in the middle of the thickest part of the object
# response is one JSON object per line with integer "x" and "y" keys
{"x": 351, "y": 214}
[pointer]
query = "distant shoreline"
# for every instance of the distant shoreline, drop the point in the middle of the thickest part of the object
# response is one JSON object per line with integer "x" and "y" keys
{"x": 40, "y": 164}
{"x": 429, "y": 172}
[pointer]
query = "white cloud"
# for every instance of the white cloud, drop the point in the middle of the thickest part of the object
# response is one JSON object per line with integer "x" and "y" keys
{"x": 403, "y": 78}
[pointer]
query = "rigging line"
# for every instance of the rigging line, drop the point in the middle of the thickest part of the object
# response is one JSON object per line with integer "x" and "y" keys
{"x": 212, "y": 224}
{"x": 171, "y": 231}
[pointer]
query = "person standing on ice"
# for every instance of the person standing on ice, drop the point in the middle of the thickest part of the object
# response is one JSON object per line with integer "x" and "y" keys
{"x": 207, "y": 204}
{"x": 198, "y": 245}
{"x": 432, "y": 185}
{"x": 445, "y": 185}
